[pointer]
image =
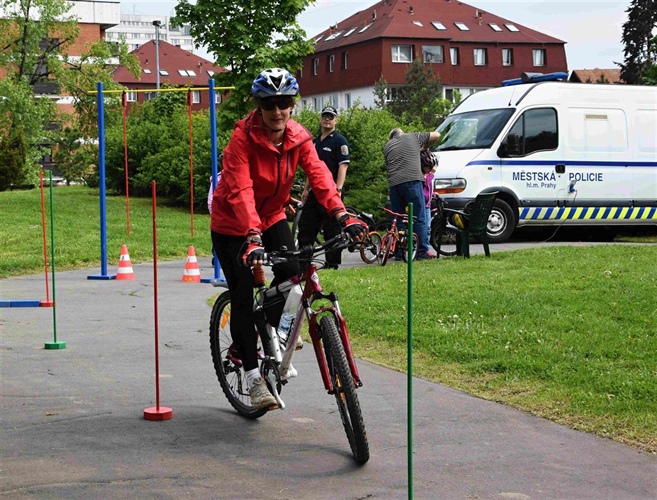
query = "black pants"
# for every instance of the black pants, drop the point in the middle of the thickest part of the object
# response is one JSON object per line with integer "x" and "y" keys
{"x": 313, "y": 217}
{"x": 239, "y": 278}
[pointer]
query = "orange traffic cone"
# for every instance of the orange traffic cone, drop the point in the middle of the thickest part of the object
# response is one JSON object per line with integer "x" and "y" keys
{"x": 191, "y": 274}
{"x": 125, "y": 266}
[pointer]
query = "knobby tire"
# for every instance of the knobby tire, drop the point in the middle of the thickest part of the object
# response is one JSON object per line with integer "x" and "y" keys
{"x": 345, "y": 390}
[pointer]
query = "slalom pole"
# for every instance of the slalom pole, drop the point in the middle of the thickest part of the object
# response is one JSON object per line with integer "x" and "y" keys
{"x": 191, "y": 161}
{"x": 101, "y": 178}
{"x": 124, "y": 102}
{"x": 156, "y": 413}
{"x": 409, "y": 369}
{"x": 55, "y": 344}
{"x": 47, "y": 302}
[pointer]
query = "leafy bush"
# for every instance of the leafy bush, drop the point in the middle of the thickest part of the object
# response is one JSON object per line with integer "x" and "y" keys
{"x": 12, "y": 159}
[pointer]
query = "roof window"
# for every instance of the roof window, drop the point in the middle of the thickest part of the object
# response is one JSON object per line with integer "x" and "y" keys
{"x": 319, "y": 38}
{"x": 363, "y": 29}
{"x": 349, "y": 32}
{"x": 511, "y": 27}
{"x": 494, "y": 27}
{"x": 147, "y": 71}
{"x": 462, "y": 26}
{"x": 334, "y": 35}
{"x": 164, "y": 72}
{"x": 418, "y": 23}
{"x": 438, "y": 25}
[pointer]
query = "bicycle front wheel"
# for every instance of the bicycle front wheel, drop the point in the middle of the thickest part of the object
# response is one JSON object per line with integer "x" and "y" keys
{"x": 442, "y": 237}
{"x": 345, "y": 390}
{"x": 228, "y": 368}
{"x": 388, "y": 244}
{"x": 371, "y": 248}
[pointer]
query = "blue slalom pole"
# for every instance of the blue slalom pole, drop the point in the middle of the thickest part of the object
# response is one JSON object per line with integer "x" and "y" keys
{"x": 100, "y": 99}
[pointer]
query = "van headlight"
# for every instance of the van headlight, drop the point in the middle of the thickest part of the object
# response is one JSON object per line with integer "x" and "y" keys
{"x": 446, "y": 186}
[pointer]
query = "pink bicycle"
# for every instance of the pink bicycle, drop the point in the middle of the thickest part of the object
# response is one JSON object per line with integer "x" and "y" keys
{"x": 396, "y": 238}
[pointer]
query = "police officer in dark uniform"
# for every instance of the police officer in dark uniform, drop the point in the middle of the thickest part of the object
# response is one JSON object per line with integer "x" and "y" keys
{"x": 333, "y": 149}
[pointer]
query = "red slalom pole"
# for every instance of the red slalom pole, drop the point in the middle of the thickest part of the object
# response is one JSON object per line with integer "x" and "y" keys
{"x": 47, "y": 302}
{"x": 125, "y": 158}
{"x": 158, "y": 412}
{"x": 191, "y": 161}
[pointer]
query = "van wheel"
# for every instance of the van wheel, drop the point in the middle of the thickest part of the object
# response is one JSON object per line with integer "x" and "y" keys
{"x": 501, "y": 223}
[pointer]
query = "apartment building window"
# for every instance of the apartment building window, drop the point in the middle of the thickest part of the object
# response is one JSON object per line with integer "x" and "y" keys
{"x": 480, "y": 57}
{"x": 402, "y": 53}
{"x": 432, "y": 54}
{"x": 331, "y": 61}
{"x": 345, "y": 57}
{"x": 131, "y": 96}
{"x": 196, "y": 96}
{"x": 347, "y": 101}
{"x": 315, "y": 66}
{"x": 539, "y": 57}
{"x": 454, "y": 56}
{"x": 316, "y": 106}
{"x": 507, "y": 57}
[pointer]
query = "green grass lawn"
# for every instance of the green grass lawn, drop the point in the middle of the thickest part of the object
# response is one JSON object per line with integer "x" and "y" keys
{"x": 566, "y": 333}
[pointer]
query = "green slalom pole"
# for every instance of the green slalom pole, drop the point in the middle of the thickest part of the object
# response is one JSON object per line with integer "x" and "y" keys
{"x": 55, "y": 344}
{"x": 409, "y": 384}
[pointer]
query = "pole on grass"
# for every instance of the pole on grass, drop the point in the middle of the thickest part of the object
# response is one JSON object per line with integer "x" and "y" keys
{"x": 157, "y": 412}
{"x": 55, "y": 344}
{"x": 101, "y": 181}
{"x": 47, "y": 302}
{"x": 124, "y": 103}
{"x": 409, "y": 369}
{"x": 191, "y": 161}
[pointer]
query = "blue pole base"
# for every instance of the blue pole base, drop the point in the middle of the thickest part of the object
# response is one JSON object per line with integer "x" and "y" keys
{"x": 55, "y": 345}
{"x": 105, "y": 277}
{"x": 219, "y": 282}
{"x": 20, "y": 303}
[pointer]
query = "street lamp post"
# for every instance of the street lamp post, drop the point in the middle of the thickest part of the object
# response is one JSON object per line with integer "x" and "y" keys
{"x": 157, "y": 25}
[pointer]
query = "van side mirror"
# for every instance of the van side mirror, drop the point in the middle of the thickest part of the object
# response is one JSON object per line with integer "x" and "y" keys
{"x": 510, "y": 146}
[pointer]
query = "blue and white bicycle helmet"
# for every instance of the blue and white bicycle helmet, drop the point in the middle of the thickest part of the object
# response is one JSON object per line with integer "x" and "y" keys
{"x": 274, "y": 81}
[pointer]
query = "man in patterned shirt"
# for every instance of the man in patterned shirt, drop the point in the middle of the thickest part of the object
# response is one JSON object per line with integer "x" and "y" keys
{"x": 405, "y": 180}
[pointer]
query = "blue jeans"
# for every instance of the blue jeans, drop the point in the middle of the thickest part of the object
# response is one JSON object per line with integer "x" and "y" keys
{"x": 412, "y": 192}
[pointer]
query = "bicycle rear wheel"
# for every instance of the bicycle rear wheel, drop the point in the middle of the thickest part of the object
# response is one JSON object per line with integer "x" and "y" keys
{"x": 371, "y": 248}
{"x": 405, "y": 252}
{"x": 388, "y": 244}
{"x": 345, "y": 390}
{"x": 230, "y": 374}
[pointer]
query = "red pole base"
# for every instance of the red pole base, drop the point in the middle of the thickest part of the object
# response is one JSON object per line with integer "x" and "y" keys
{"x": 46, "y": 303}
{"x": 158, "y": 414}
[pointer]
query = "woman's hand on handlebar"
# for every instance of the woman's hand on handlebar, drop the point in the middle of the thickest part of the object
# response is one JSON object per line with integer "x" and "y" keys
{"x": 354, "y": 228}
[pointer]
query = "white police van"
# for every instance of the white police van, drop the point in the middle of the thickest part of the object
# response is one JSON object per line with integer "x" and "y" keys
{"x": 556, "y": 152}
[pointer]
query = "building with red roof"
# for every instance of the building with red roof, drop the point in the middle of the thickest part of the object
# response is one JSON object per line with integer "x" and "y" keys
{"x": 468, "y": 48}
{"x": 177, "y": 68}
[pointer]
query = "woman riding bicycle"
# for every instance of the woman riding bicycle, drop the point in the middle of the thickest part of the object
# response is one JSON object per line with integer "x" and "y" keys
{"x": 248, "y": 205}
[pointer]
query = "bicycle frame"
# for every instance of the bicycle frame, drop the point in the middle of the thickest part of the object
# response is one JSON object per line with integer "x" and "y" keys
{"x": 312, "y": 291}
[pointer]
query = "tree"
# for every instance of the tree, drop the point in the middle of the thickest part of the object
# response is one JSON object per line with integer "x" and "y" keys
{"x": 380, "y": 93}
{"x": 246, "y": 37}
{"x": 35, "y": 37}
{"x": 639, "y": 40}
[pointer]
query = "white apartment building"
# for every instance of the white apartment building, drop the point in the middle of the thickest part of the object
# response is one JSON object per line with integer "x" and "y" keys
{"x": 138, "y": 29}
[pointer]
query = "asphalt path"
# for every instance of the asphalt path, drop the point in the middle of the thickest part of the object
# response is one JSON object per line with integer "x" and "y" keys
{"x": 72, "y": 419}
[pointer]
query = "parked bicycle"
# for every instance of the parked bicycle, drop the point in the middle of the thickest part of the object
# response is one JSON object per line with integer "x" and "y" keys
{"x": 442, "y": 235}
{"x": 397, "y": 239}
{"x": 328, "y": 333}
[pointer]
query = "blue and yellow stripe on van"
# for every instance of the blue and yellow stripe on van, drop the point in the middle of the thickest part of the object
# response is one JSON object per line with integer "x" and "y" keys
{"x": 589, "y": 213}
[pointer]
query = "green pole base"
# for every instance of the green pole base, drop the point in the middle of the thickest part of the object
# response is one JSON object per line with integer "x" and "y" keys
{"x": 55, "y": 345}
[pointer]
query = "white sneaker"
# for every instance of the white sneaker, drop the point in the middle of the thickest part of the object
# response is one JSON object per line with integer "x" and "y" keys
{"x": 290, "y": 373}
{"x": 260, "y": 395}
{"x": 299, "y": 343}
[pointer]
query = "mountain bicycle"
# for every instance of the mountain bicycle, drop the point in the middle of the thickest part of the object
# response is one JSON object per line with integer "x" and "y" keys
{"x": 328, "y": 332}
{"x": 442, "y": 235}
{"x": 395, "y": 239}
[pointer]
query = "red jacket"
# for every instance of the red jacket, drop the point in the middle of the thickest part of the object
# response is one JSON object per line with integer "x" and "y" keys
{"x": 256, "y": 178}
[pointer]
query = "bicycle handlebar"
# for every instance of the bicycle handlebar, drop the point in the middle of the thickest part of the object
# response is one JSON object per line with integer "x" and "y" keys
{"x": 335, "y": 243}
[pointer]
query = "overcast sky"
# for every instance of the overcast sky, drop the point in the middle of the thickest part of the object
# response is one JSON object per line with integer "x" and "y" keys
{"x": 591, "y": 28}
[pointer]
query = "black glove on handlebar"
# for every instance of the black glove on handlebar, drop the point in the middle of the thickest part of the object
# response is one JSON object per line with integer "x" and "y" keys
{"x": 253, "y": 251}
{"x": 351, "y": 226}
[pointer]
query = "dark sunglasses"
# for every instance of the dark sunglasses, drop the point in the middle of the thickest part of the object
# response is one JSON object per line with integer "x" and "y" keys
{"x": 327, "y": 116}
{"x": 283, "y": 102}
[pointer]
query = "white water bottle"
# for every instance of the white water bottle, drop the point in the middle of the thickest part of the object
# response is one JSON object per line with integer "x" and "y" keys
{"x": 289, "y": 312}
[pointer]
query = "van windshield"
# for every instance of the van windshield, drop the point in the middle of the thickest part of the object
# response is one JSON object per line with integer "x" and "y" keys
{"x": 472, "y": 130}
